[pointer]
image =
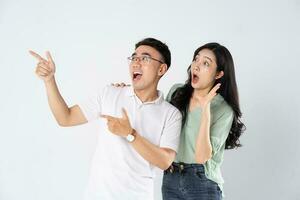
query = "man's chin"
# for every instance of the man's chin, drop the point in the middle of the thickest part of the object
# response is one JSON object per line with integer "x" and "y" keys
{"x": 136, "y": 86}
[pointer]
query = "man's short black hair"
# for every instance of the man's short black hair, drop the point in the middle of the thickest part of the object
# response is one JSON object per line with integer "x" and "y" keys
{"x": 161, "y": 47}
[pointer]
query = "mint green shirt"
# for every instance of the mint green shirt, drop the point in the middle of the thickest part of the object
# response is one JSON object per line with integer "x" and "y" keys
{"x": 221, "y": 121}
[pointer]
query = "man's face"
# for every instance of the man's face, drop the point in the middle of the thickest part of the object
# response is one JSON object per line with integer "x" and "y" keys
{"x": 146, "y": 67}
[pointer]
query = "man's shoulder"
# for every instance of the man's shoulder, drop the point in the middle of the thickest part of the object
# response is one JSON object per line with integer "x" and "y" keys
{"x": 167, "y": 104}
{"x": 169, "y": 108}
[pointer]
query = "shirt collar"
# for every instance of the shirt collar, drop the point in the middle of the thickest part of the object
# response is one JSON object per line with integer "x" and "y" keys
{"x": 130, "y": 92}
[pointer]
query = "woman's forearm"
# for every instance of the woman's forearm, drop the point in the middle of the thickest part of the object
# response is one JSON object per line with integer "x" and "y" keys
{"x": 203, "y": 149}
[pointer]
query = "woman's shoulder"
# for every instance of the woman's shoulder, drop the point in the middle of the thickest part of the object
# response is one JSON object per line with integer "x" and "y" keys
{"x": 221, "y": 106}
{"x": 175, "y": 86}
{"x": 172, "y": 90}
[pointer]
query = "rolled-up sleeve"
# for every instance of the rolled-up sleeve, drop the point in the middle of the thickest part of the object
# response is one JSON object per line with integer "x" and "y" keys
{"x": 220, "y": 129}
{"x": 171, "y": 132}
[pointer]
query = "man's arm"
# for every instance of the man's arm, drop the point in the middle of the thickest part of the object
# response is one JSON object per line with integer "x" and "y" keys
{"x": 64, "y": 115}
{"x": 158, "y": 156}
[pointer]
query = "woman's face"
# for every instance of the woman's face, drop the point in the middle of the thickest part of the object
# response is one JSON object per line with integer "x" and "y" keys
{"x": 204, "y": 70}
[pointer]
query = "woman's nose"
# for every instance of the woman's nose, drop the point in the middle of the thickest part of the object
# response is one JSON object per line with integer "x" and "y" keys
{"x": 197, "y": 68}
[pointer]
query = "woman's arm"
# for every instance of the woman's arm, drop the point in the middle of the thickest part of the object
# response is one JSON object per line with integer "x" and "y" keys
{"x": 203, "y": 148}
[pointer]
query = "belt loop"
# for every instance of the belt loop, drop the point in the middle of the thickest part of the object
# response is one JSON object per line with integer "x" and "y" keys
{"x": 171, "y": 169}
{"x": 181, "y": 167}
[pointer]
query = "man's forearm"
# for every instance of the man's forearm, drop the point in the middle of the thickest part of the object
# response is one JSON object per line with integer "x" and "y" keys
{"x": 157, "y": 156}
{"x": 57, "y": 104}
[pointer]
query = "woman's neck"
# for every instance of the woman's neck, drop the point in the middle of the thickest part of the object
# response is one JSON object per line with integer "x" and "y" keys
{"x": 200, "y": 93}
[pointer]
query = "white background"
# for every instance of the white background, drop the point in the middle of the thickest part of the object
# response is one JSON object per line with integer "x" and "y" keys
{"x": 90, "y": 41}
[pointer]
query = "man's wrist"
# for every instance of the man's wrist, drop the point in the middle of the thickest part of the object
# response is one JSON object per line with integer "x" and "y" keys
{"x": 131, "y": 136}
{"x": 49, "y": 82}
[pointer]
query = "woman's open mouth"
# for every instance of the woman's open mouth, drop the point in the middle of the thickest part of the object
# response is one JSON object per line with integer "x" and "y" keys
{"x": 195, "y": 78}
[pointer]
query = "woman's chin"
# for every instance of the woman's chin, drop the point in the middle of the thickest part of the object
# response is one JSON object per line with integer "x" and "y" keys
{"x": 196, "y": 85}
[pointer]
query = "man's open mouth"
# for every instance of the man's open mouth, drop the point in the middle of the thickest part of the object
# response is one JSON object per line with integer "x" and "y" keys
{"x": 137, "y": 75}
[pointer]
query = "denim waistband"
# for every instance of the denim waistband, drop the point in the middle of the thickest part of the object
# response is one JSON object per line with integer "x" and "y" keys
{"x": 181, "y": 167}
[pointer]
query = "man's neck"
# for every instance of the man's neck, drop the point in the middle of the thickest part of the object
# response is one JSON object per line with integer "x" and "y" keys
{"x": 147, "y": 95}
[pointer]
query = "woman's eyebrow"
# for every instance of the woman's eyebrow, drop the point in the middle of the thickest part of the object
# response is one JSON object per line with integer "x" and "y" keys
{"x": 205, "y": 57}
{"x": 208, "y": 58}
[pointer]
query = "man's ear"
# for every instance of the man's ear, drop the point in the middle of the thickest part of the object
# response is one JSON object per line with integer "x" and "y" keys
{"x": 219, "y": 74}
{"x": 162, "y": 69}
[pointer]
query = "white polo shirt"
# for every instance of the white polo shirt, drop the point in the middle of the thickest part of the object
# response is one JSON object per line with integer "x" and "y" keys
{"x": 117, "y": 170}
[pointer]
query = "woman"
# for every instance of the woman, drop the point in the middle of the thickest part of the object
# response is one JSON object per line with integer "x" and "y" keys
{"x": 209, "y": 105}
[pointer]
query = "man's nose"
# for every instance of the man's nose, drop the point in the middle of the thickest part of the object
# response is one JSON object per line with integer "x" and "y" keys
{"x": 136, "y": 64}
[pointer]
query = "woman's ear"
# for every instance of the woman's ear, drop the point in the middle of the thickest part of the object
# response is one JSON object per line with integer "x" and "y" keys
{"x": 219, "y": 75}
{"x": 162, "y": 69}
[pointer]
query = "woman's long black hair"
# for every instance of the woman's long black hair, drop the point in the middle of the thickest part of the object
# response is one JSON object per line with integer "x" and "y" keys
{"x": 181, "y": 97}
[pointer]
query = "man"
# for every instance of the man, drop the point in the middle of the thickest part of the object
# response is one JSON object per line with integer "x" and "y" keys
{"x": 142, "y": 129}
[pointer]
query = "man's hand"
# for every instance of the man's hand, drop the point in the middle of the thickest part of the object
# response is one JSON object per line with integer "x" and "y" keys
{"x": 45, "y": 67}
{"x": 119, "y": 126}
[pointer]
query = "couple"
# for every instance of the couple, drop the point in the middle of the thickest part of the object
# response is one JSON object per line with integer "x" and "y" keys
{"x": 185, "y": 136}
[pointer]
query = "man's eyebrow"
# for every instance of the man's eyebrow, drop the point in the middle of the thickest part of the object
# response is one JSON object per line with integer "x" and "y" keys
{"x": 144, "y": 53}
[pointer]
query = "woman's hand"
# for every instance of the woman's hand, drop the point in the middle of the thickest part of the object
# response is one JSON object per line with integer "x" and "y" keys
{"x": 205, "y": 101}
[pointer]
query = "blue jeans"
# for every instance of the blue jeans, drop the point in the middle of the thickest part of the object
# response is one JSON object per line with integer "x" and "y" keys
{"x": 188, "y": 181}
